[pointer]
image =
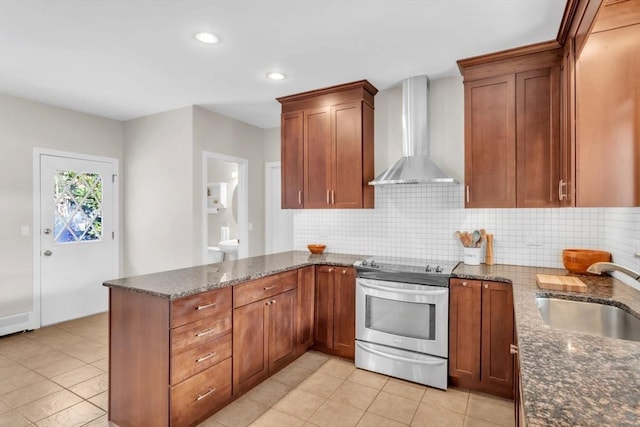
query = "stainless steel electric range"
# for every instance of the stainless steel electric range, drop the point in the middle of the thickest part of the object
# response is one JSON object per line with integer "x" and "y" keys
{"x": 402, "y": 318}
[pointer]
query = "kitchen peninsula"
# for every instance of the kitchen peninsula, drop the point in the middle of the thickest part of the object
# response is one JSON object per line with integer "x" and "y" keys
{"x": 566, "y": 378}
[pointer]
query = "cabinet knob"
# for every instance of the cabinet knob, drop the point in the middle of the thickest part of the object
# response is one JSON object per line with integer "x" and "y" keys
{"x": 464, "y": 283}
{"x": 344, "y": 271}
{"x": 273, "y": 301}
{"x": 330, "y": 270}
{"x": 486, "y": 286}
{"x": 513, "y": 349}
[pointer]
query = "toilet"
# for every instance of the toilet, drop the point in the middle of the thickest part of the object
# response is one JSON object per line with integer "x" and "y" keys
{"x": 214, "y": 254}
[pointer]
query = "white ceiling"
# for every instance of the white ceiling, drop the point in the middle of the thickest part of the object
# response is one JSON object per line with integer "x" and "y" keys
{"x": 124, "y": 59}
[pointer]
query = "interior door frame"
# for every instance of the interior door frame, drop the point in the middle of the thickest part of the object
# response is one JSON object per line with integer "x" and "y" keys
{"x": 243, "y": 201}
{"x": 34, "y": 319}
{"x": 268, "y": 231}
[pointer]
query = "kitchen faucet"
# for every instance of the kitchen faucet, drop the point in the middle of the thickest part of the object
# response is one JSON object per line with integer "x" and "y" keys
{"x": 602, "y": 267}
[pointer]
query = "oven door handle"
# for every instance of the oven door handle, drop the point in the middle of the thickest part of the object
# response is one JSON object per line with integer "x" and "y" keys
{"x": 398, "y": 358}
{"x": 366, "y": 284}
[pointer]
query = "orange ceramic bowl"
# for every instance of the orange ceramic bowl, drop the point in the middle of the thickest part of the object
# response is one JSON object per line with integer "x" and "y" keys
{"x": 578, "y": 260}
{"x": 316, "y": 249}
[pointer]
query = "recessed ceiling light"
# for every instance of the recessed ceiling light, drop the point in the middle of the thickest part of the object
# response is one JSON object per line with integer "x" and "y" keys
{"x": 275, "y": 75}
{"x": 208, "y": 38}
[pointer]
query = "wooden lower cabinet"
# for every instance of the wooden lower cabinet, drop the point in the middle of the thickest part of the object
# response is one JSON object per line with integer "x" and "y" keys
{"x": 169, "y": 361}
{"x": 305, "y": 309}
{"x": 481, "y": 332}
{"x": 264, "y": 331}
{"x": 334, "y": 328}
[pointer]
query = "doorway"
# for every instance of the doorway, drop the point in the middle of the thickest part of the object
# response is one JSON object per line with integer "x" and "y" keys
{"x": 225, "y": 203}
{"x": 75, "y": 241}
{"x": 278, "y": 221}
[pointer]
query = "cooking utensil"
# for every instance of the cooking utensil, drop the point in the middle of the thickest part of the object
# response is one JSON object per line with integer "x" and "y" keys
{"x": 476, "y": 238}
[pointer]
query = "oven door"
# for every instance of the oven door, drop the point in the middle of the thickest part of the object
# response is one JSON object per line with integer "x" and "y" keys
{"x": 403, "y": 315}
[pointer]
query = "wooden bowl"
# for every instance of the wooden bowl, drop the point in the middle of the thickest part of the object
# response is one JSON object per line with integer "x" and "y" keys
{"x": 316, "y": 249}
{"x": 578, "y": 260}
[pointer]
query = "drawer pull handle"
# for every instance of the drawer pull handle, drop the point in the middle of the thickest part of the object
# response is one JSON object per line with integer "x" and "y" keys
{"x": 202, "y": 307}
{"x": 266, "y": 288}
{"x": 205, "y": 332}
{"x": 203, "y": 358}
{"x": 202, "y": 396}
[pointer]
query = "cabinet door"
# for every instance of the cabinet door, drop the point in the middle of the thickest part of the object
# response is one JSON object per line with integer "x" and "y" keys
{"x": 497, "y": 337}
{"x": 538, "y": 138}
{"x": 490, "y": 144}
{"x": 282, "y": 329}
{"x": 346, "y": 130}
{"x": 323, "y": 325}
{"x": 344, "y": 312}
{"x": 292, "y": 151}
{"x": 567, "y": 126}
{"x": 250, "y": 344}
{"x": 465, "y": 319}
{"x": 305, "y": 308}
{"x": 317, "y": 155}
{"x": 608, "y": 119}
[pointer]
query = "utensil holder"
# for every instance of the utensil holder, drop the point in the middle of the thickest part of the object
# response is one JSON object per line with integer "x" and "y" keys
{"x": 472, "y": 256}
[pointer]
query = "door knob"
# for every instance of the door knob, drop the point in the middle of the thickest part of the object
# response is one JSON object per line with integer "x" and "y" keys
{"x": 47, "y": 253}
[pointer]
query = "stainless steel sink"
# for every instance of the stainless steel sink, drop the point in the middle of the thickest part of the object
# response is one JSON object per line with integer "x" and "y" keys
{"x": 589, "y": 317}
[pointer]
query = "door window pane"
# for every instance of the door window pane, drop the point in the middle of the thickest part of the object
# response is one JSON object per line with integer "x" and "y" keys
{"x": 77, "y": 215}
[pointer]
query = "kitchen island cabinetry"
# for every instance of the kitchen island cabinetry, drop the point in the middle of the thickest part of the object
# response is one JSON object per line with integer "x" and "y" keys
{"x": 169, "y": 361}
{"x": 481, "y": 334}
{"x": 305, "y": 308}
{"x": 512, "y": 128}
{"x": 327, "y": 147}
{"x": 335, "y": 323}
{"x": 264, "y": 328}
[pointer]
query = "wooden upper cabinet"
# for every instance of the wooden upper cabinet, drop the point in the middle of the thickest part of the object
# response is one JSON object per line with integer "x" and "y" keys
{"x": 512, "y": 127}
{"x": 291, "y": 127}
{"x": 336, "y": 144}
{"x": 490, "y": 149}
{"x": 538, "y": 138}
{"x": 608, "y": 112}
{"x": 317, "y": 158}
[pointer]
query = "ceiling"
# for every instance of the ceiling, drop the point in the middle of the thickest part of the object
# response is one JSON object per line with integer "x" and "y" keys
{"x": 124, "y": 59}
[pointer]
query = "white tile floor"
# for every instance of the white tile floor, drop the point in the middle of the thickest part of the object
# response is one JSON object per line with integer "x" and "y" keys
{"x": 57, "y": 376}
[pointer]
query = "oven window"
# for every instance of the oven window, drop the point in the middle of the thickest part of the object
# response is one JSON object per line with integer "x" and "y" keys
{"x": 401, "y": 318}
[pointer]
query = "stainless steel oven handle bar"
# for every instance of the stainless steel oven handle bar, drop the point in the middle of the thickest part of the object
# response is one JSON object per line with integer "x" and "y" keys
{"x": 400, "y": 290}
{"x": 401, "y": 359}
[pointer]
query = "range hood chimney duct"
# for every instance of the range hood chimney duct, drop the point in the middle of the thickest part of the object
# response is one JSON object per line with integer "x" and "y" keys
{"x": 415, "y": 167}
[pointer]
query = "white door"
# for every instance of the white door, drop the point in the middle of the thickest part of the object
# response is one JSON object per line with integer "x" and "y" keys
{"x": 78, "y": 250}
{"x": 279, "y": 222}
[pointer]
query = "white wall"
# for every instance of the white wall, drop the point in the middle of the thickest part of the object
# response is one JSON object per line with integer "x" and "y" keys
{"x": 24, "y": 125}
{"x": 219, "y": 134}
{"x": 271, "y": 141}
{"x": 159, "y": 192}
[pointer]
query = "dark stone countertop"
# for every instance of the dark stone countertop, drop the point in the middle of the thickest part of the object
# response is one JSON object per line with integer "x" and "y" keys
{"x": 570, "y": 378}
{"x": 180, "y": 283}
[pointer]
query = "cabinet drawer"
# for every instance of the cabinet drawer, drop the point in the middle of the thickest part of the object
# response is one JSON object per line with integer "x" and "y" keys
{"x": 200, "y": 395}
{"x": 199, "y": 333}
{"x": 256, "y": 290}
{"x": 200, "y": 358}
{"x": 196, "y": 307}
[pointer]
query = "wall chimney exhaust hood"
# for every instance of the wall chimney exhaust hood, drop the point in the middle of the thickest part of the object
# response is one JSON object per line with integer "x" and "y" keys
{"x": 415, "y": 167}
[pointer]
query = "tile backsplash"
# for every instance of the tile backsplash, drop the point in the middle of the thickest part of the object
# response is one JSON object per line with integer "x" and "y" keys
{"x": 419, "y": 221}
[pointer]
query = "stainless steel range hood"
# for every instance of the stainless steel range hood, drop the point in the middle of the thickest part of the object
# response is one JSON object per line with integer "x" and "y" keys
{"x": 415, "y": 167}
